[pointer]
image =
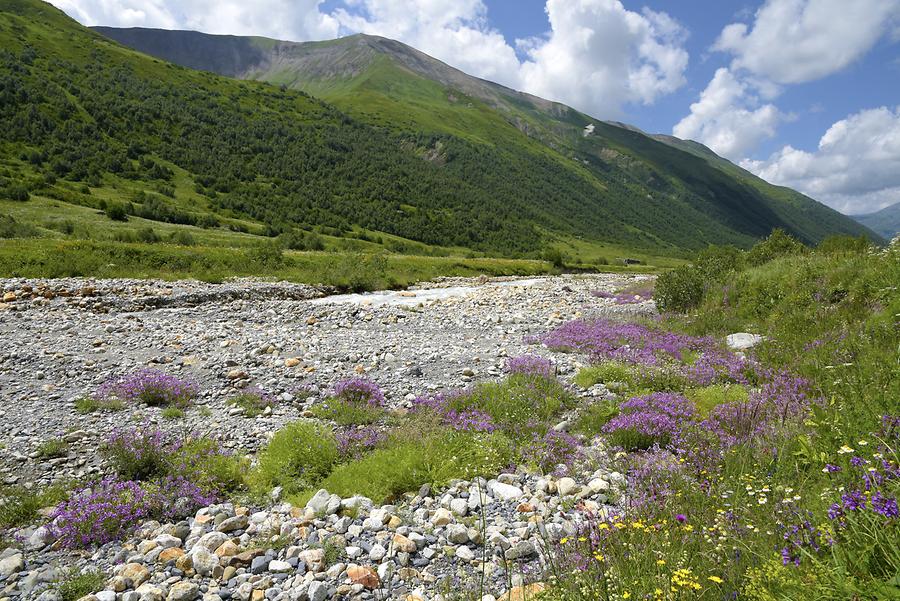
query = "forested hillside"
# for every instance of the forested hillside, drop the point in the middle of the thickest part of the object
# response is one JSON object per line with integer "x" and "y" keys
{"x": 91, "y": 123}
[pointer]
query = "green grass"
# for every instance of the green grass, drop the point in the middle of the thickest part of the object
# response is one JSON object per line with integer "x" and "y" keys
{"x": 707, "y": 398}
{"x": 73, "y": 258}
{"x": 298, "y": 457}
{"x": 629, "y": 378}
{"x": 76, "y": 585}
{"x": 252, "y": 403}
{"x": 346, "y": 414}
{"x": 172, "y": 413}
{"x": 591, "y": 419}
{"x": 408, "y": 462}
{"x": 55, "y": 447}
{"x": 20, "y": 506}
{"x": 85, "y": 405}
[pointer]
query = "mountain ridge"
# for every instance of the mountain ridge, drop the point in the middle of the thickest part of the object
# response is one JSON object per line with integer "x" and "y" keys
{"x": 378, "y": 145}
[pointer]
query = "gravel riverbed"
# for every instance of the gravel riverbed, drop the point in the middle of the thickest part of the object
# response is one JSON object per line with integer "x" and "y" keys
{"x": 64, "y": 338}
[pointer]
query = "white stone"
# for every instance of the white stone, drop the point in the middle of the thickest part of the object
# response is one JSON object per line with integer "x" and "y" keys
{"x": 505, "y": 492}
{"x": 740, "y": 341}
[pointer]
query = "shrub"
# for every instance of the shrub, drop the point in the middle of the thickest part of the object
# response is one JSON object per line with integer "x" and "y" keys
{"x": 359, "y": 392}
{"x": 679, "y": 290}
{"x": 116, "y": 212}
{"x": 76, "y": 585}
{"x": 90, "y": 405}
{"x": 19, "y": 506}
{"x": 406, "y": 463}
{"x": 532, "y": 365}
{"x": 267, "y": 255}
{"x": 778, "y": 244}
{"x": 644, "y": 422}
{"x": 545, "y": 453}
{"x": 354, "y": 443}
{"x": 346, "y": 414}
{"x": 147, "y": 235}
{"x": 298, "y": 457}
{"x": 843, "y": 244}
{"x": 172, "y": 413}
{"x": 594, "y": 417}
{"x": 253, "y": 401}
{"x": 111, "y": 508}
{"x": 55, "y": 447}
{"x": 10, "y": 228}
{"x": 706, "y": 398}
{"x": 138, "y": 454}
{"x": 149, "y": 386}
{"x": 183, "y": 238}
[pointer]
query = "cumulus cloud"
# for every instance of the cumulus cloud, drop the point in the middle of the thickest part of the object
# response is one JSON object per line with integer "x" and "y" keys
{"x": 596, "y": 56}
{"x": 599, "y": 56}
{"x": 795, "y": 41}
{"x": 728, "y": 117}
{"x": 855, "y": 169}
{"x": 282, "y": 19}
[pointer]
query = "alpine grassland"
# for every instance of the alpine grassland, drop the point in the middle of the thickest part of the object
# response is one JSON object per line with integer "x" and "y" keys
{"x": 779, "y": 481}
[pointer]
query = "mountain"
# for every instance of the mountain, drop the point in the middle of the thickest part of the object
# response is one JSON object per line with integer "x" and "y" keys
{"x": 393, "y": 143}
{"x": 885, "y": 223}
{"x": 387, "y": 83}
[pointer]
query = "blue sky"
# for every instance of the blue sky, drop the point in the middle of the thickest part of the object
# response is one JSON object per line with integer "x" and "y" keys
{"x": 805, "y": 93}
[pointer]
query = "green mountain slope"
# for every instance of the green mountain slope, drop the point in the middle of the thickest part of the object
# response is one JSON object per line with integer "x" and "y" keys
{"x": 682, "y": 198}
{"x": 402, "y": 145}
{"x": 885, "y": 223}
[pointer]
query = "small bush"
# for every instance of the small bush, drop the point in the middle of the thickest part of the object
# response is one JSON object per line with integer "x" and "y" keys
{"x": 843, "y": 244}
{"x": 10, "y": 228}
{"x": 298, "y": 457}
{"x": 709, "y": 397}
{"x": 404, "y": 464}
{"x": 147, "y": 235}
{"x": 76, "y": 585}
{"x": 346, "y": 414}
{"x": 116, "y": 212}
{"x": 644, "y": 422}
{"x": 679, "y": 290}
{"x": 172, "y": 413}
{"x": 86, "y": 405}
{"x": 594, "y": 417}
{"x": 253, "y": 402}
{"x": 138, "y": 454}
{"x": 55, "y": 447}
{"x": 268, "y": 255}
{"x": 183, "y": 238}
{"x": 20, "y": 506}
{"x": 149, "y": 386}
{"x": 778, "y": 244}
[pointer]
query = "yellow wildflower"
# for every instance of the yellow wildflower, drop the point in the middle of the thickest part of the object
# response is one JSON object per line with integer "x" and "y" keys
{"x": 715, "y": 579}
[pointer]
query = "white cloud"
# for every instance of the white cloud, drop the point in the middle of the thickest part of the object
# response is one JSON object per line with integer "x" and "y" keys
{"x": 597, "y": 56}
{"x": 727, "y": 119}
{"x": 856, "y": 168}
{"x": 282, "y": 19}
{"x": 794, "y": 41}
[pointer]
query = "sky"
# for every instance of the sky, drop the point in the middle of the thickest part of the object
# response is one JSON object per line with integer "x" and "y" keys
{"x": 804, "y": 93}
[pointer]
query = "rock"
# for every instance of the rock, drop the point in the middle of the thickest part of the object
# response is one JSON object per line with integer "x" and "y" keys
{"x": 324, "y": 504}
{"x": 403, "y": 544}
{"x": 11, "y": 565}
{"x": 291, "y": 362}
{"x": 105, "y": 596}
{"x": 457, "y": 534}
{"x": 363, "y": 575}
{"x": 169, "y": 554}
{"x": 567, "y": 486}
{"x": 317, "y": 591}
{"x": 598, "y": 485}
{"x": 137, "y": 573}
{"x": 459, "y": 507}
{"x": 526, "y": 592}
{"x": 314, "y": 559}
{"x": 183, "y": 591}
{"x": 377, "y": 552}
{"x": 280, "y": 567}
{"x": 442, "y": 517}
{"x": 9, "y": 297}
{"x": 150, "y": 592}
{"x": 465, "y": 553}
{"x": 520, "y": 550}
{"x": 504, "y": 492}
{"x": 740, "y": 341}
{"x": 238, "y": 522}
{"x": 40, "y": 538}
{"x": 227, "y": 549}
{"x": 204, "y": 561}
{"x": 212, "y": 540}
{"x": 167, "y": 541}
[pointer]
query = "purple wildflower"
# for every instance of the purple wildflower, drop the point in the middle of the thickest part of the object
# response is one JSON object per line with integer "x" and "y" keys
{"x": 533, "y": 365}
{"x": 359, "y": 391}
{"x": 149, "y": 386}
